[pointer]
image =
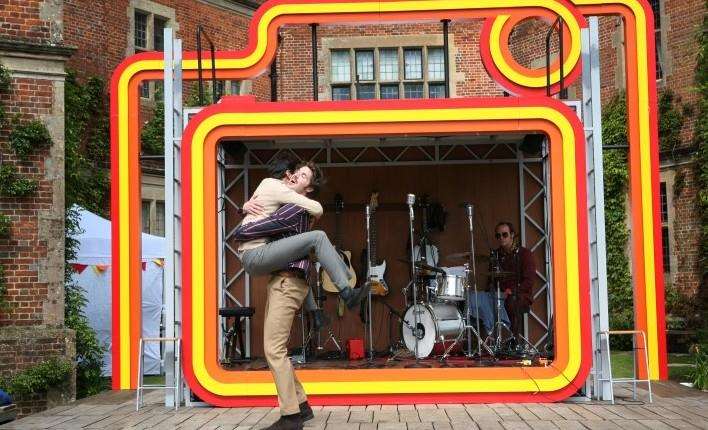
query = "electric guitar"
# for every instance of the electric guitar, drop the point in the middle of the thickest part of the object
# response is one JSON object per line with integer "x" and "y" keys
{"x": 375, "y": 275}
{"x": 346, "y": 256}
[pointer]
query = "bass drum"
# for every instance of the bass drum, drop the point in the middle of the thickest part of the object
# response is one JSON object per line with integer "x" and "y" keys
{"x": 437, "y": 323}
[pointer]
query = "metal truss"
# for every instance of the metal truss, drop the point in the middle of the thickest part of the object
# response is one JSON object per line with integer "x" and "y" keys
{"x": 413, "y": 151}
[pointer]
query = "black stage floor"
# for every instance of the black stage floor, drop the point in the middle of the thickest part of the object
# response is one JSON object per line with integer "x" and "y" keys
{"x": 387, "y": 363}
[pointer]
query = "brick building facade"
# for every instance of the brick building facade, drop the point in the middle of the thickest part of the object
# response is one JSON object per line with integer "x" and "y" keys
{"x": 39, "y": 41}
{"x": 34, "y": 40}
{"x": 32, "y": 325}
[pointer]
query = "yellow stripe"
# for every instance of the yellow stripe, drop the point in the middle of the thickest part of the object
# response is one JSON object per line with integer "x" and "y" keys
{"x": 198, "y": 243}
{"x": 538, "y": 81}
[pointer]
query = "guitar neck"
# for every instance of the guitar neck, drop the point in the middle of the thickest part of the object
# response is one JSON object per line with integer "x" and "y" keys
{"x": 372, "y": 232}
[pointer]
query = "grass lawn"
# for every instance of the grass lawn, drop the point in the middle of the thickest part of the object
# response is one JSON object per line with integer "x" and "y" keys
{"x": 622, "y": 365}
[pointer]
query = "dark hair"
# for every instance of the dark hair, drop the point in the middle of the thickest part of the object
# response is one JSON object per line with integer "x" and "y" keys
{"x": 282, "y": 163}
{"x": 506, "y": 223}
{"x": 318, "y": 179}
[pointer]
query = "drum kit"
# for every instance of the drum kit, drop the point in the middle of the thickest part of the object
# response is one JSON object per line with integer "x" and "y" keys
{"x": 433, "y": 322}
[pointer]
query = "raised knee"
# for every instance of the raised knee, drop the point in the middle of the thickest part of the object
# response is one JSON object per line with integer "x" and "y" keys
{"x": 319, "y": 235}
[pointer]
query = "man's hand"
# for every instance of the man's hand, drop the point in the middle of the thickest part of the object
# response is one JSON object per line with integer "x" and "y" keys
{"x": 253, "y": 207}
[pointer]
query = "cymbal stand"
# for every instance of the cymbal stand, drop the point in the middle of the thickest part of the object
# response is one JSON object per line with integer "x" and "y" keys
{"x": 470, "y": 271}
{"x": 331, "y": 337}
{"x": 498, "y": 325}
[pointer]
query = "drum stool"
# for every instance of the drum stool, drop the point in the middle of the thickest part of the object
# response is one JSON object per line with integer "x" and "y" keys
{"x": 233, "y": 332}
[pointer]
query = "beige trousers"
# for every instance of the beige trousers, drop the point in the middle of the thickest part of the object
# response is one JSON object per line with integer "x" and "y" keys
{"x": 285, "y": 296}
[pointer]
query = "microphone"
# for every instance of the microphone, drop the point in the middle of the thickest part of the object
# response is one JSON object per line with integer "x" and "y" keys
{"x": 469, "y": 207}
{"x": 410, "y": 200}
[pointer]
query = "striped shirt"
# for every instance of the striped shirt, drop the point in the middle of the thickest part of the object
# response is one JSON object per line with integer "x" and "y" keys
{"x": 288, "y": 220}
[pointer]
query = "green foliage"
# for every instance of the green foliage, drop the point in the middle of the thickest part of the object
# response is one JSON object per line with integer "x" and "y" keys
{"x": 29, "y": 136}
{"x": 39, "y": 378}
{"x": 699, "y": 374}
{"x": 4, "y": 226}
{"x": 87, "y": 144}
{"x": 89, "y": 351}
{"x": 670, "y": 122}
{"x": 619, "y": 280}
{"x": 5, "y": 79}
{"x": 12, "y": 185}
{"x": 700, "y": 138}
{"x": 152, "y": 136}
{"x": 87, "y": 154}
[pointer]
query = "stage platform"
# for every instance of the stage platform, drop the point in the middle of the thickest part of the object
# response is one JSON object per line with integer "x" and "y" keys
{"x": 387, "y": 363}
{"x": 674, "y": 407}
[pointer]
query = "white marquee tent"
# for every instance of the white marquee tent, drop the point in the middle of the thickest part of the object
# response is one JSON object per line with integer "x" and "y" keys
{"x": 93, "y": 258}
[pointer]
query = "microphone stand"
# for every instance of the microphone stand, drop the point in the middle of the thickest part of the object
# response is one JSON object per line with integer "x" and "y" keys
{"x": 469, "y": 208}
{"x": 368, "y": 274}
{"x": 410, "y": 200}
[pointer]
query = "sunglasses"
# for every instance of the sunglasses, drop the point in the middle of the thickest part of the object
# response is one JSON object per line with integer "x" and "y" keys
{"x": 500, "y": 235}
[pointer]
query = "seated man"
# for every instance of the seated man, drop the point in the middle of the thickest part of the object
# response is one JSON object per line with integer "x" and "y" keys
{"x": 260, "y": 254}
{"x": 517, "y": 289}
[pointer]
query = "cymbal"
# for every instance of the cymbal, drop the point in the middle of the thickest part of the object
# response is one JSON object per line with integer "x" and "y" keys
{"x": 466, "y": 256}
{"x": 422, "y": 266}
{"x": 499, "y": 275}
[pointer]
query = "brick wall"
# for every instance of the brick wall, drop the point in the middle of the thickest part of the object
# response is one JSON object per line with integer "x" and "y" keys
{"x": 32, "y": 328}
{"x": 468, "y": 76}
{"x": 21, "y": 348}
{"x": 101, "y": 31}
{"x": 33, "y": 21}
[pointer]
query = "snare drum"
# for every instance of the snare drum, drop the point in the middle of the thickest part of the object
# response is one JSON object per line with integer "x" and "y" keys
{"x": 450, "y": 287}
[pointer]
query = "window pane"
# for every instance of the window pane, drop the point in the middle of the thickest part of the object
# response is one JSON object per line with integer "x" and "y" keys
{"x": 389, "y": 91}
{"x": 159, "y": 36}
{"x": 656, "y": 8}
{"x": 413, "y": 91}
{"x": 146, "y": 215}
{"x": 235, "y": 88}
{"x": 365, "y": 65}
{"x": 436, "y": 64}
{"x": 388, "y": 64}
{"x": 140, "y": 30}
{"x": 341, "y": 71}
{"x": 341, "y": 93}
{"x": 413, "y": 60}
{"x": 145, "y": 90}
{"x": 366, "y": 92}
{"x": 658, "y": 56}
{"x": 664, "y": 203}
{"x": 436, "y": 91}
{"x": 159, "y": 229}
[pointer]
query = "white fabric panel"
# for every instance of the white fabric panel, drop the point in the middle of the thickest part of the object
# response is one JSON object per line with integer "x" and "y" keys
{"x": 95, "y": 249}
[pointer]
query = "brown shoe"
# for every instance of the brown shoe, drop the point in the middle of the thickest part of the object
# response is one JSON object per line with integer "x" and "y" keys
{"x": 287, "y": 422}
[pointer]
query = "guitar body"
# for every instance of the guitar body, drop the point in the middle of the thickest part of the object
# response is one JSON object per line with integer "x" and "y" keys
{"x": 327, "y": 283}
{"x": 377, "y": 281}
{"x": 346, "y": 256}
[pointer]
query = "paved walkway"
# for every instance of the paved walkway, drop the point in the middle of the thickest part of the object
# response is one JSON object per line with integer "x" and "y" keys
{"x": 674, "y": 407}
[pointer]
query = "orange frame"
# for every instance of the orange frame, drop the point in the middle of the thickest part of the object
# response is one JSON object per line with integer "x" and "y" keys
{"x": 501, "y": 15}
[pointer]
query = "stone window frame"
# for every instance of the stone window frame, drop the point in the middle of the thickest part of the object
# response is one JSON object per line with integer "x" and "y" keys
{"x": 376, "y": 43}
{"x": 152, "y": 192}
{"x": 667, "y": 176}
{"x": 663, "y": 59}
{"x": 153, "y": 11}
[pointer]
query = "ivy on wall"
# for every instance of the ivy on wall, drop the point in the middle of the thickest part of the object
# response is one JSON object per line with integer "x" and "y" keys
{"x": 700, "y": 138}
{"x": 86, "y": 185}
{"x": 619, "y": 279}
{"x": 38, "y": 378}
